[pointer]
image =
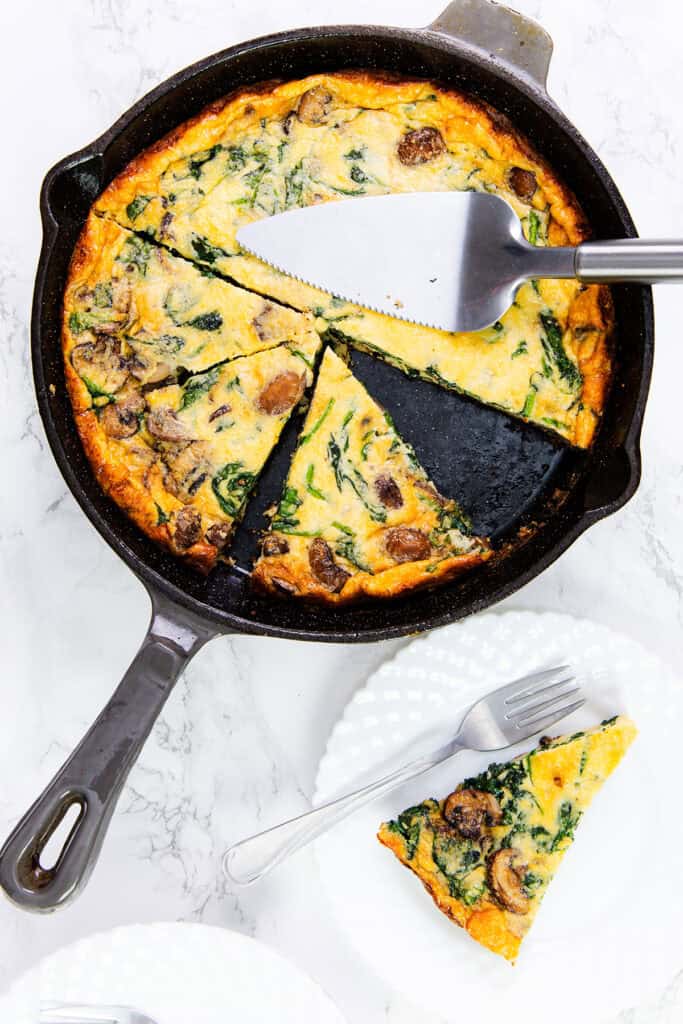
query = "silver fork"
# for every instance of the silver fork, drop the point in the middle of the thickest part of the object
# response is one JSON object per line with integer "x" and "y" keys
{"x": 507, "y": 716}
{"x": 68, "y": 1013}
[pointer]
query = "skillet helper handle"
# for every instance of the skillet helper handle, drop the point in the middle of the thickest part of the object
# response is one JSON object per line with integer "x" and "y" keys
{"x": 630, "y": 259}
{"x": 94, "y": 775}
{"x": 253, "y": 858}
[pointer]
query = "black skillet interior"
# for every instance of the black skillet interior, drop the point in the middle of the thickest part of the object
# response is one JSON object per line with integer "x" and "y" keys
{"x": 505, "y": 473}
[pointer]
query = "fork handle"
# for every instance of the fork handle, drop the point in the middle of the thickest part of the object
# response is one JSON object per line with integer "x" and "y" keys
{"x": 252, "y": 858}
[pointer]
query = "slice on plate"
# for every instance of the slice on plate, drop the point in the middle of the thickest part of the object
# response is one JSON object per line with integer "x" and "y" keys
{"x": 267, "y": 149}
{"x": 182, "y": 460}
{"x": 359, "y": 515}
{"x": 487, "y": 853}
{"x": 134, "y": 312}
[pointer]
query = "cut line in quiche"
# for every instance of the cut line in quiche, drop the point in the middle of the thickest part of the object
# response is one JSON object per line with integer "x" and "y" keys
{"x": 181, "y": 460}
{"x": 268, "y": 149}
{"x": 136, "y": 314}
{"x": 487, "y": 853}
{"x": 358, "y": 515}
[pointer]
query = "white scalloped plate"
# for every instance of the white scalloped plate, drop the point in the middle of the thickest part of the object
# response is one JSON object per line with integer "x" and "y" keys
{"x": 176, "y": 973}
{"x": 607, "y": 937}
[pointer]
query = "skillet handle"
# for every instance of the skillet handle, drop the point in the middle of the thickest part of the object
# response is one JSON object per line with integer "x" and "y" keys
{"x": 93, "y": 776}
{"x": 503, "y": 34}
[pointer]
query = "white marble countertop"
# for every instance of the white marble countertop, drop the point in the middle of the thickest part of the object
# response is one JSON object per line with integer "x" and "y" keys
{"x": 238, "y": 743}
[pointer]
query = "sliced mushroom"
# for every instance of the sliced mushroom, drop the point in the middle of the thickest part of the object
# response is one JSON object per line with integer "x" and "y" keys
{"x": 522, "y": 182}
{"x": 101, "y": 363}
{"x": 219, "y": 535}
{"x": 187, "y": 527}
{"x": 506, "y": 870}
{"x": 281, "y": 393}
{"x": 185, "y": 469}
{"x": 314, "y": 105}
{"x": 164, "y": 425}
{"x": 324, "y": 567}
{"x": 406, "y": 544}
{"x": 121, "y": 295}
{"x": 273, "y": 544}
{"x": 284, "y": 586}
{"x": 220, "y": 411}
{"x": 120, "y": 419}
{"x": 265, "y": 324}
{"x": 420, "y": 146}
{"x": 469, "y": 810}
{"x": 388, "y": 491}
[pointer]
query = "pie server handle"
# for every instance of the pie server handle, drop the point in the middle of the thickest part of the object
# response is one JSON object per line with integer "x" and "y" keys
{"x": 93, "y": 776}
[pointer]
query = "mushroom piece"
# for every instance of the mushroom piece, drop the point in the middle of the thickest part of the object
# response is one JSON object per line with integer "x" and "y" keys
{"x": 274, "y": 545}
{"x": 219, "y": 535}
{"x": 266, "y": 323}
{"x": 185, "y": 469}
{"x": 406, "y": 544}
{"x": 522, "y": 182}
{"x": 187, "y": 527}
{"x": 164, "y": 425}
{"x": 469, "y": 810}
{"x": 101, "y": 363}
{"x": 420, "y": 146}
{"x": 120, "y": 419}
{"x": 324, "y": 567}
{"x": 388, "y": 491}
{"x": 314, "y": 105}
{"x": 281, "y": 393}
{"x": 506, "y": 871}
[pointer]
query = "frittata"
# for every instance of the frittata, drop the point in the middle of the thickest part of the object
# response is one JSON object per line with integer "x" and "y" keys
{"x": 358, "y": 514}
{"x": 327, "y": 137}
{"x": 487, "y": 853}
{"x": 160, "y": 300}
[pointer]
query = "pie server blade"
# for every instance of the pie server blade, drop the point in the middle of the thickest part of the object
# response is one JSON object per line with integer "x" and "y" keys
{"x": 451, "y": 260}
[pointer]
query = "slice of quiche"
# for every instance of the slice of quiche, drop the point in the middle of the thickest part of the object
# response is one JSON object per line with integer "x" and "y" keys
{"x": 270, "y": 148}
{"x": 487, "y": 853}
{"x": 181, "y": 460}
{"x": 359, "y": 514}
{"x": 135, "y": 313}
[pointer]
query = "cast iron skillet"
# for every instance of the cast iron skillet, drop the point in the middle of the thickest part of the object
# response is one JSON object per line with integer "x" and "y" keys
{"x": 508, "y": 474}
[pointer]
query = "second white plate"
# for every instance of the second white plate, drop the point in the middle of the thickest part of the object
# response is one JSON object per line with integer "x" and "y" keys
{"x": 607, "y": 936}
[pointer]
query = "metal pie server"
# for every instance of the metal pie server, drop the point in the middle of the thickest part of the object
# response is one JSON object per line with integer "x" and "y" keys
{"x": 452, "y": 260}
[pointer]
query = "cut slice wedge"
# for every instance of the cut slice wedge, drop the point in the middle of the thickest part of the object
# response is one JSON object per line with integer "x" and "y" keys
{"x": 194, "y": 452}
{"x": 359, "y": 515}
{"x": 487, "y": 853}
{"x": 134, "y": 312}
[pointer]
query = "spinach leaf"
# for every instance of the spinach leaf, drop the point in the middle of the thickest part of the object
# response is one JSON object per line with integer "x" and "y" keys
{"x": 355, "y": 154}
{"x": 205, "y": 251}
{"x": 346, "y": 547}
{"x": 231, "y": 485}
{"x": 137, "y": 206}
{"x": 199, "y": 159}
{"x": 207, "y": 321}
{"x": 521, "y": 350}
{"x": 168, "y": 344}
{"x": 317, "y": 425}
{"x": 79, "y": 322}
{"x": 103, "y": 295}
{"x": 284, "y": 520}
{"x": 198, "y": 386}
{"x": 294, "y": 185}
{"x": 136, "y": 253}
{"x": 409, "y": 824}
{"x": 162, "y": 517}
{"x": 551, "y": 339}
{"x": 346, "y": 472}
{"x": 310, "y": 486}
{"x": 567, "y": 818}
{"x": 237, "y": 159}
{"x": 534, "y": 226}
{"x": 358, "y": 175}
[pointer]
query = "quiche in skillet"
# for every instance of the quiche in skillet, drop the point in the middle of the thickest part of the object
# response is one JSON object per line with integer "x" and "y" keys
{"x": 327, "y": 137}
{"x": 358, "y": 515}
{"x": 487, "y": 853}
